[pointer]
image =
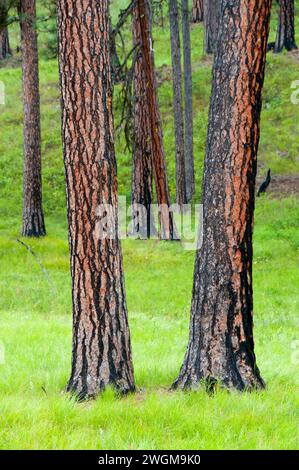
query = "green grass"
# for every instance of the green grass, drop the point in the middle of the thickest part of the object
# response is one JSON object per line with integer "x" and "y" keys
{"x": 35, "y": 314}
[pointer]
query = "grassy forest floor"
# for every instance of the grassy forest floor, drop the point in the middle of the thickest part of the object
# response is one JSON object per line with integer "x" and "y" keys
{"x": 35, "y": 313}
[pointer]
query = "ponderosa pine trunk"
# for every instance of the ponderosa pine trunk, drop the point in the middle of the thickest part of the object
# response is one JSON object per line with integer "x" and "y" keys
{"x": 101, "y": 340}
{"x": 33, "y": 218}
{"x": 189, "y": 155}
{"x": 142, "y": 172}
{"x": 5, "y": 50}
{"x": 177, "y": 102}
{"x": 211, "y": 24}
{"x": 285, "y": 36}
{"x": 221, "y": 346}
{"x": 167, "y": 226}
{"x": 197, "y": 11}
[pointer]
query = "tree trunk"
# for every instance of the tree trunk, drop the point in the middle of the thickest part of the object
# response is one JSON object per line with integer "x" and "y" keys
{"x": 197, "y": 11}
{"x": 285, "y": 36}
{"x": 211, "y": 24}
{"x": 221, "y": 346}
{"x": 101, "y": 339}
{"x": 189, "y": 156}
{"x": 33, "y": 219}
{"x": 177, "y": 101}
{"x": 167, "y": 226}
{"x": 4, "y": 44}
{"x": 142, "y": 174}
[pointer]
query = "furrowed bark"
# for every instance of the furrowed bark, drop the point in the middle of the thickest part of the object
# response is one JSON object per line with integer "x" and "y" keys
{"x": 167, "y": 227}
{"x": 285, "y": 36}
{"x": 142, "y": 174}
{"x": 101, "y": 340}
{"x": 189, "y": 155}
{"x": 221, "y": 346}
{"x": 5, "y": 50}
{"x": 211, "y": 24}
{"x": 33, "y": 218}
{"x": 177, "y": 102}
{"x": 197, "y": 11}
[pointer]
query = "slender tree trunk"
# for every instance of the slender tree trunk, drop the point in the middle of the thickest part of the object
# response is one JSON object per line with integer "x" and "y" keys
{"x": 189, "y": 156}
{"x": 4, "y": 44}
{"x": 101, "y": 339}
{"x": 142, "y": 174}
{"x": 197, "y": 11}
{"x": 211, "y": 24}
{"x": 177, "y": 102}
{"x": 221, "y": 346}
{"x": 33, "y": 219}
{"x": 285, "y": 36}
{"x": 168, "y": 231}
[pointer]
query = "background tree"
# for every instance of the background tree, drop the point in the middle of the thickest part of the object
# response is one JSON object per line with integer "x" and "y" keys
{"x": 142, "y": 173}
{"x": 33, "y": 218}
{"x": 5, "y": 50}
{"x": 197, "y": 11}
{"x": 211, "y": 24}
{"x": 167, "y": 227}
{"x": 189, "y": 156}
{"x": 101, "y": 339}
{"x": 221, "y": 346}
{"x": 177, "y": 102}
{"x": 285, "y": 36}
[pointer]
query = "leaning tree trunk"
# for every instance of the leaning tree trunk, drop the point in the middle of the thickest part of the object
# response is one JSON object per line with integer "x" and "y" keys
{"x": 285, "y": 36}
{"x": 197, "y": 11}
{"x": 101, "y": 339}
{"x": 221, "y": 346}
{"x": 33, "y": 219}
{"x": 4, "y": 44}
{"x": 177, "y": 102}
{"x": 142, "y": 174}
{"x": 189, "y": 156}
{"x": 211, "y": 24}
{"x": 167, "y": 226}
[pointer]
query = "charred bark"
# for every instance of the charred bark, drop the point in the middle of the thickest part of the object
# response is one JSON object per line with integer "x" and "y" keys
{"x": 285, "y": 36}
{"x": 101, "y": 340}
{"x": 5, "y": 50}
{"x": 197, "y": 11}
{"x": 177, "y": 102}
{"x": 167, "y": 227}
{"x": 142, "y": 174}
{"x": 33, "y": 218}
{"x": 221, "y": 346}
{"x": 189, "y": 155}
{"x": 211, "y": 24}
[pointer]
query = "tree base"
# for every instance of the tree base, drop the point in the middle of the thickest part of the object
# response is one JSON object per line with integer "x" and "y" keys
{"x": 91, "y": 392}
{"x": 33, "y": 225}
{"x": 187, "y": 381}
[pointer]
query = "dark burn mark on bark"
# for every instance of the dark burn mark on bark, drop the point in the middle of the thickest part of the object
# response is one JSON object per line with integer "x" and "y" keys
{"x": 101, "y": 340}
{"x": 221, "y": 346}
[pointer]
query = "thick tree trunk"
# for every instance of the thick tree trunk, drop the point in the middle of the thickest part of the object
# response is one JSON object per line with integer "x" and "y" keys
{"x": 189, "y": 156}
{"x": 4, "y": 44}
{"x": 177, "y": 102}
{"x": 33, "y": 219}
{"x": 221, "y": 346}
{"x": 167, "y": 227}
{"x": 285, "y": 36}
{"x": 197, "y": 11}
{"x": 211, "y": 24}
{"x": 101, "y": 339}
{"x": 142, "y": 174}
